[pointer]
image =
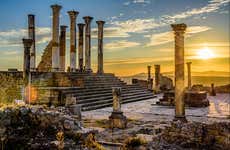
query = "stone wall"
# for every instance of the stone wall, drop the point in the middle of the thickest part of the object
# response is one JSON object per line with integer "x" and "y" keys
{"x": 11, "y": 86}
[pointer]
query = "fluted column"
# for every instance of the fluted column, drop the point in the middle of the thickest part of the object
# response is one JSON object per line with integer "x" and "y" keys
{"x": 88, "y": 20}
{"x": 62, "y": 48}
{"x": 55, "y": 37}
{"x": 179, "y": 30}
{"x": 80, "y": 46}
{"x": 31, "y": 35}
{"x": 100, "y": 69}
{"x": 157, "y": 77}
{"x": 189, "y": 74}
{"x": 73, "y": 16}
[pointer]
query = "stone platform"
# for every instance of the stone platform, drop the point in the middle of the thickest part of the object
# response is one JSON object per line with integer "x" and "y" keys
{"x": 191, "y": 99}
{"x": 90, "y": 90}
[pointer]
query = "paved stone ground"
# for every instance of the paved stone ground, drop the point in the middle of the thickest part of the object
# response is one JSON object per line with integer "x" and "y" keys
{"x": 218, "y": 111}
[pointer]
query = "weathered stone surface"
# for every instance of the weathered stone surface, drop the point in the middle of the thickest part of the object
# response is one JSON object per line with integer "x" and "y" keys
{"x": 24, "y": 127}
{"x": 197, "y": 135}
{"x": 117, "y": 119}
{"x": 191, "y": 98}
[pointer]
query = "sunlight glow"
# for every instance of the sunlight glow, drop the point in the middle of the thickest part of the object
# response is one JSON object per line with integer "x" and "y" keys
{"x": 205, "y": 53}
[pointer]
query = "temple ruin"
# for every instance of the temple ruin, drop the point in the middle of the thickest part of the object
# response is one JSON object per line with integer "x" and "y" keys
{"x": 52, "y": 83}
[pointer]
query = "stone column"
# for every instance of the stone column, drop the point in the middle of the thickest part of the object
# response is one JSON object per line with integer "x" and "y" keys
{"x": 149, "y": 80}
{"x": 80, "y": 46}
{"x": 212, "y": 91}
{"x": 189, "y": 75}
{"x": 149, "y": 72}
{"x": 117, "y": 119}
{"x": 55, "y": 38}
{"x": 88, "y": 20}
{"x": 179, "y": 30}
{"x": 100, "y": 69}
{"x": 157, "y": 77}
{"x": 62, "y": 48}
{"x": 31, "y": 35}
{"x": 73, "y": 16}
{"x": 26, "y": 66}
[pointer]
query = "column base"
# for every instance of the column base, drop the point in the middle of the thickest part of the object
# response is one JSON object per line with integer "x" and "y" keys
{"x": 117, "y": 120}
{"x": 100, "y": 73}
{"x": 180, "y": 118}
{"x": 55, "y": 69}
{"x": 89, "y": 70}
{"x": 32, "y": 69}
{"x": 73, "y": 70}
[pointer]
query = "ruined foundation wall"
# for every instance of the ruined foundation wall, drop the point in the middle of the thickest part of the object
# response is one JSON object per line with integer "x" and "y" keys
{"x": 45, "y": 64}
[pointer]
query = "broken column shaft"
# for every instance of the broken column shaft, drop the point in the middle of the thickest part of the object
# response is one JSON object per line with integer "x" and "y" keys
{"x": 55, "y": 38}
{"x": 117, "y": 119}
{"x": 88, "y": 20}
{"x": 62, "y": 48}
{"x": 100, "y": 69}
{"x": 80, "y": 46}
{"x": 157, "y": 77}
{"x": 31, "y": 35}
{"x": 73, "y": 16}
{"x": 179, "y": 30}
{"x": 189, "y": 75}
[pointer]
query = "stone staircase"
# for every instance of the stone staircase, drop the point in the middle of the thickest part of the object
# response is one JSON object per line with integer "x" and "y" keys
{"x": 46, "y": 60}
{"x": 97, "y": 91}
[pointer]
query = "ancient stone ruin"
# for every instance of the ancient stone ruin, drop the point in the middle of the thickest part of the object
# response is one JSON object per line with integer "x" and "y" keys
{"x": 52, "y": 83}
{"x": 182, "y": 96}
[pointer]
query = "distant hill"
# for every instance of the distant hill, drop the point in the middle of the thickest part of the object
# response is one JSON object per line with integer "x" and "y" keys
{"x": 205, "y": 73}
{"x": 205, "y": 78}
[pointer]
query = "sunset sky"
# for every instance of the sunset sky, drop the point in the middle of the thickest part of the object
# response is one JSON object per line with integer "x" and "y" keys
{"x": 137, "y": 32}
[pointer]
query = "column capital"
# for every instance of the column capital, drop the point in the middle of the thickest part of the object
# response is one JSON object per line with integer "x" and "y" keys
{"x": 31, "y": 15}
{"x": 56, "y": 7}
{"x": 157, "y": 66}
{"x": 63, "y": 27}
{"x": 73, "y": 14}
{"x": 27, "y": 43}
{"x": 148, "y": 66}
{"x": 100, "y": 22}
{"x": 80, "y": 24}
{"x": 88, "y": 19}
{"x": 179, "y": 27}
{"x": 188, "y": 63}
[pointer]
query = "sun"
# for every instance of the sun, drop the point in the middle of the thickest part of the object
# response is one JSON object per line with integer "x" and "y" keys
{"x": 205, "y": 53}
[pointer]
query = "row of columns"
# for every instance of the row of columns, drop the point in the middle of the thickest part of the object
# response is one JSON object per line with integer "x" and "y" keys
{"x": 59, "y": 63}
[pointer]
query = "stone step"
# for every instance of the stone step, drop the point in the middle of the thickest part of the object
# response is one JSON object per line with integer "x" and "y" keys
{"x": 82, "y": 90}
{"x": 106, "y": 93}
{"x": 110, "y": 104}
{"x": 124, "y": 96}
